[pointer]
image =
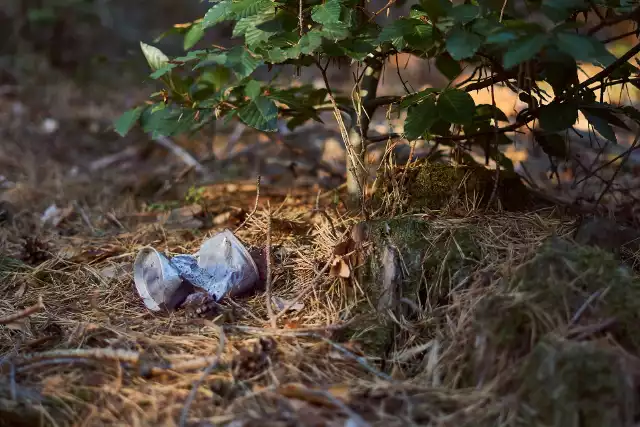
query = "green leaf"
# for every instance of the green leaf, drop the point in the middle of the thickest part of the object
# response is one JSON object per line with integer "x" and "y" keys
{"x": 456, "y": 106}
{"x": 462, "y": 44}
{"x": 436, "y": 9}
{"x": 127, "y": 121}
{"x": 246, "y": 8}
{"x": 421, "y": 37}
{"x": 327, "y": 13}
{"x": 420, "y": 118}
{"x": 261, "y": 114}
{"x": 396, "y": 31}
{"x": 253, "y": 89}
{"x": 162, "y": 71}
{"x": 560, "y": 10}
{"x": 414, "y": 98}
{"x": 553, "y": 144}
{"x": 464, "y": 13}
{"x": 601, "y": 125}
{"x": 167, "y": 121}
{"x": 218, "y": 13}
{"x": 584, "y": 48}
{"x": 559, "y": 70}
{"x": 448, "y": 66}
{"x": 193, "y": 36}
{"x": 241, "y": 62}
{"x": 486, "y": 112}
{"x": 523, "y": 49}
{"x": 154, "y": 56}
{"x": 556, "y": 117}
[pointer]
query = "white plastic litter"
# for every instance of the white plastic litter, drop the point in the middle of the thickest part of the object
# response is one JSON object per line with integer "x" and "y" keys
{"x": 222, "y": 267}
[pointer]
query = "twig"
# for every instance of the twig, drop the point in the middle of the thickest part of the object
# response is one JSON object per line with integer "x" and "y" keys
{"x": 181, "y": 153}
{"x": 493, "y": 113}
{"x": 255, "y": 206}
{"x": 205, "y": 374}
{"x": 614, "y": 21}
{"x": 382, "y": 9}
{"x": 272, "y": 319}
{"x": 604, "y": 73}
{"x": 615, "y": 174}
{"x": 23, "y": 313}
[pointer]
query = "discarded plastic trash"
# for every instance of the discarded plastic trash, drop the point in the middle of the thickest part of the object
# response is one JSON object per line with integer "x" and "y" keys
{"x": 155, "y": 277}
{"x": 222, "y": 267}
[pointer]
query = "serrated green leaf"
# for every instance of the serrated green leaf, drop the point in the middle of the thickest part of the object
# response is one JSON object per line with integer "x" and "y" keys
{"x": 246, "y": 8}
{"x": 218, "y": 13}
{"x": 396, "y": 31}
{"x": 162, "y": 71}
{"x": 310, "y": 42}
{"x": 486, "y": 112}
{"x": 276, "y": 55}
{"x": 552, "y": 144}
{"x": 436, "y": 9}
{"x": 167, "y": 121}
{"x": 252, "y": 89}
{"x": 601, "y": 125}
{"x": 456, "y": 106}
{"x": 261, "y": 114}
{"x": 448, "y": 66}
{"x": 556, "y": 116}
{"x": 421, "y": 37}
{"x": 523, "y": 49}
{"x": 193, "y": 36}
{"x": 154, "y": 56}
{"x": 241, "y": 62}
{"x": 127, "y": 121}
{"x": 462, "y": 44}
{"x": 414, "y": 98}
{"x": 327, "y": 13}
{"x": 420, "y": 118}
{"x": 335, "y": 31}
{"x": 579, "y": 46}
{"x": 501, "y": 37}
{"x": 464, "y": 13}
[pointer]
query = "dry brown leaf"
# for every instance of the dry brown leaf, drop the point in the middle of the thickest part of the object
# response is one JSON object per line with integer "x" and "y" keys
{"x": 339, "y": 268}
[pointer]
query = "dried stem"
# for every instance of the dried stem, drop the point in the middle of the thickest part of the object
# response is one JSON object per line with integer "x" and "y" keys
{"x": 272, "y": 319}
{"x": 255, "y": 206}
{"x": 23, "y": 313}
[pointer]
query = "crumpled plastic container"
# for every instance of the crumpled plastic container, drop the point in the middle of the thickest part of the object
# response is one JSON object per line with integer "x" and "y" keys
{"x": 222, "y": 267}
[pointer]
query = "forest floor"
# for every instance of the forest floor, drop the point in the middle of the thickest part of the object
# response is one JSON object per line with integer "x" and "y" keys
{"x": 455, "y": 315}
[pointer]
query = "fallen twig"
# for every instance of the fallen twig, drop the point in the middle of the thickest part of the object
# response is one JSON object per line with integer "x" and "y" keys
{"x": 23, "y": 313}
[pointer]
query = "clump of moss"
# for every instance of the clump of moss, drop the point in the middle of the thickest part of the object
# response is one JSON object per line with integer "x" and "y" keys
{"x": 437, "y": 186}
{"x": 584, "y": 285}
{"x": 430, "y": 262}
{"x": 566, "y": 383}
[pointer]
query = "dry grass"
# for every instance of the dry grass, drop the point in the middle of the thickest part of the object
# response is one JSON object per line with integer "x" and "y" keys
{"x": 95, "y": 356}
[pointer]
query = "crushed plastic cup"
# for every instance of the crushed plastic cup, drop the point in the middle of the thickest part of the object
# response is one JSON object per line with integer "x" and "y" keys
{"x": 222, "y": 267}
{"x": 226, "y": 259}
{"x": 156, "y": 279}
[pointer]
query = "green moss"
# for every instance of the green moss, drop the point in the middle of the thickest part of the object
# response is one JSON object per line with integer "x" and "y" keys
{"x": 432, "y": 262}
{"x": 437, "y": 186}
{"x": 563, "y": 276}
{"x": 575, "y": 384}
